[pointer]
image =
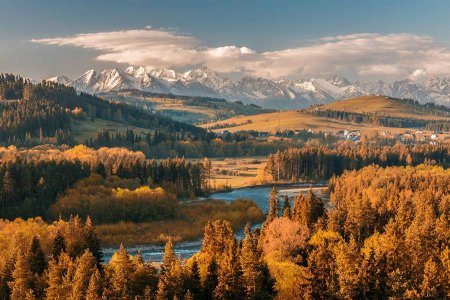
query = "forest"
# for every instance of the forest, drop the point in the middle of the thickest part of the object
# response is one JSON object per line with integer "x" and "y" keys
{"x": 322, "y": 162}
{"x": 33, "y": 178}
{"x": 384, "y": 235}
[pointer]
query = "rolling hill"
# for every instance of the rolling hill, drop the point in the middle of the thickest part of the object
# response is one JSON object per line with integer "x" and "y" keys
{"x": 387, "y": 106}
{"x": 188, "y": 109}
{"x": 319, "y": 118}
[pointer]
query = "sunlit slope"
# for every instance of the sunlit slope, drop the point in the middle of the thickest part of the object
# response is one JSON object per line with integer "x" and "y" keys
{"x": 300, "y": 120}
{"x": 386, "y": 106}
{"x": 291, "y": 120}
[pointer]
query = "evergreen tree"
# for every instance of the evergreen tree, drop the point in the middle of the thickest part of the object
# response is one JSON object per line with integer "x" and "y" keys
{"x": 85, "y": 267}
{"x": 273, "y": 206}
{"x": 93, "y": 242}
{"x": 255, "y": 276}
{"x": 286, "y": 207}
{"x": 122, "y": 273}
{"x": 22, "y": 278}
{"x": 229, "y": 285}
{"x": 94, "y": 288}
{"x": 59, "y": 245}
{"x": 211, "y": 279}
{"x": 7, "y": 190}
{"x": 36, "y": 257}
{"x": 194, "y": 281}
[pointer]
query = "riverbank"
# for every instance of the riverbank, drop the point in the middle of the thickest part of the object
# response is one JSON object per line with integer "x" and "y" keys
{"x": 186, "y": 248}
{"x": 188, "y": 226}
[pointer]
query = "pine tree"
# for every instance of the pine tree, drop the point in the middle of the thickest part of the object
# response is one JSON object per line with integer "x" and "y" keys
{"x": 169, "y": 257}
{"x": 273, "y": 206}
{"x": 122, "y": 271}
{"x": 7, "y": 191}
{"x": 59, "y": 245}
{"x": 93, "y": 242}
{"x": 211, "y": 279}
{"x": 194, "y": 281}
{"x": 36, "y": 257}
{"x": 85, "y": 267}
{"x": 286, "y": 207}
{"x": 255, "y": 276}
{"x": 229, "y": 284}
{"x": 94, "y": 288}
{"x": 22, "y": 278}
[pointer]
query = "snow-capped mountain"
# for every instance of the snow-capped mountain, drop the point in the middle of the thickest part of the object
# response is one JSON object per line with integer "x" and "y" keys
{"x": 59, "y": 79}
{"x": 264, "y": 92}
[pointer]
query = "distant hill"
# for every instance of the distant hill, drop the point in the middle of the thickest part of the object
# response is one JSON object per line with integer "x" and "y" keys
{"x": 188, "y": 109}
{"x": 387, "y": 106}
{"x": 366, "y": 113}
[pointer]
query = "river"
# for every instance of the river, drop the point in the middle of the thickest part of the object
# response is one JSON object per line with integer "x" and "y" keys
{"x": 186, "y": 249}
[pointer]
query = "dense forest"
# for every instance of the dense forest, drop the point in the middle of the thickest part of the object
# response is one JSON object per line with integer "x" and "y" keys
{"x": 321, "y": 163}
{"x": 35, "y": 111}
{"x": 384, "y": 235}
{"x": 32, "y": 178}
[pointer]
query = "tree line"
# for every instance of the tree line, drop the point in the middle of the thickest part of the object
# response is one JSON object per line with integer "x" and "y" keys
{"x": 382, "y": 120}
{"x": 30, "y": 179}
{"x": 321, "y": 163}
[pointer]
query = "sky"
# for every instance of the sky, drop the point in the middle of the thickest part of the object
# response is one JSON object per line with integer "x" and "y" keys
{"x": 361, "y": 39}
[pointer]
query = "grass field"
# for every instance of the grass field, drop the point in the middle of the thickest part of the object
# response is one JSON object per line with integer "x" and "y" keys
{"x": 85, "y": 129}
{"x": 295, "y": 120}
{"x": 388, "y": 107}
{"x": 298, "y": 120}
{"x": 235, "y": 172}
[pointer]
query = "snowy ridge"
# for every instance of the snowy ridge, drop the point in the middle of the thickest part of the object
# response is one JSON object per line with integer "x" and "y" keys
{"x": 264, "y": 92}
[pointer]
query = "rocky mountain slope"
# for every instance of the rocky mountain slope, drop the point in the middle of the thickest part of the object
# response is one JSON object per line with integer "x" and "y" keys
{"x": 264, "y": 92}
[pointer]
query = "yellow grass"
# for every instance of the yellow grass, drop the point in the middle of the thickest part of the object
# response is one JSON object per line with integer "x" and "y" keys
{"x": 296, "y": 120}
{"x": 242, "y": 172}
{"x": 386, "y": 106}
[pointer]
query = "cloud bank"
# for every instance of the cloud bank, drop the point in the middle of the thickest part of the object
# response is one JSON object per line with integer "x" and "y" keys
{"x": 365, "y": 55}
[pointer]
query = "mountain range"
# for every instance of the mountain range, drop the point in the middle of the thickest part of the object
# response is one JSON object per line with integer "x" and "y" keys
{"x": 281, "y": 94}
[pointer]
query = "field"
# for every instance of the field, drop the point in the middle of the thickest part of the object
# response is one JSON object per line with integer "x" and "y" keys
{"x": 235, "y": 172}
{"x": 380, "y": 105}
{"x": 86, "y": 129}
{"x": 304, "y": 120}
{"x": 293, "y": 120}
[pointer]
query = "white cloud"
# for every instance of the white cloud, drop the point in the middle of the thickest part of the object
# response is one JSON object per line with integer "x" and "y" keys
{"x": 366, "y": 55}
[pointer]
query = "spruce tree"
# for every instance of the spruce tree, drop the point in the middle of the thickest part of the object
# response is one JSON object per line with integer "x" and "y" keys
{"x": 273, "y": 206}
{"x": 211, "y": 279}
{"x": 22, "y": 278}
{"x": 93, "y": 242}
{"x": 286, "y": 207}
{"x": 257, "y": 282}
{"x": 59, "y": 245}
{"x": 85, "y": 267}
{"x": 94, "y": 288}
{"x": 36, "y": 257}
{"x": 169, "y": 257}
{"x": 194, "y": 281}
{"x": 122, "y": 273}
{"x": 229, "y": 284}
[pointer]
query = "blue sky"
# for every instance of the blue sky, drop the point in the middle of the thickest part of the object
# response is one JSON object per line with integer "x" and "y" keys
{"x": 204, "y": 27}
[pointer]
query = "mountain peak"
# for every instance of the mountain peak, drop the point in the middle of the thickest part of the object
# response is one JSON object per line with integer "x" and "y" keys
{"x": 265, "y": 92}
